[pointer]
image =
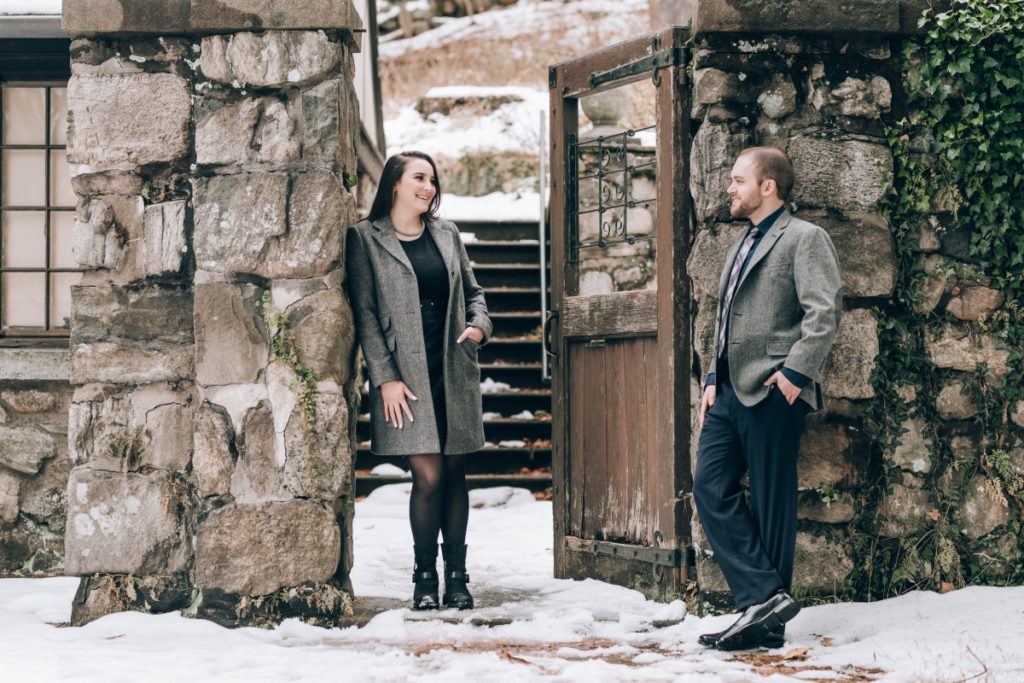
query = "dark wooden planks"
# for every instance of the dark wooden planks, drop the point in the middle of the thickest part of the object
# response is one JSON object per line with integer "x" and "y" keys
{"x": 610, "y": 315}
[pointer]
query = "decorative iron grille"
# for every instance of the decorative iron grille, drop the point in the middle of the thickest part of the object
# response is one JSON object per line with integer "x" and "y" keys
{"x": 614, "y": 160}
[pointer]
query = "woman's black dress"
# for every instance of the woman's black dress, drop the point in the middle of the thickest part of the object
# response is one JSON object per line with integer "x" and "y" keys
{"x": 432, "y": 279}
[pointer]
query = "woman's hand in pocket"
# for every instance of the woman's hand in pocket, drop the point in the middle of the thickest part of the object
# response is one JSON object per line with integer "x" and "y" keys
{"x": 474, "y": 333}
{"x": 395, "y": 394}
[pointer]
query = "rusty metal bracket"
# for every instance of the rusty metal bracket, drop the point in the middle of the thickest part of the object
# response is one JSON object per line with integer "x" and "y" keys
{"x": 658, "y": 557}
{"x": 673, "y": 56}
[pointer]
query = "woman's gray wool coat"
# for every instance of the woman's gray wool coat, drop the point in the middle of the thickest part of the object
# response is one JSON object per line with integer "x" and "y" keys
{"x": 386, "y": 303}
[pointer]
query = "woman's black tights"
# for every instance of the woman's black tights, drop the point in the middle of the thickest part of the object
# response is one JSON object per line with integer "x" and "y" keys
{"x": 440, "y": 499}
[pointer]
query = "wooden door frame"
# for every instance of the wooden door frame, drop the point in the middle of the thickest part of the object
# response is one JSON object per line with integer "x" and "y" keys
{"x": 661, "y": 56}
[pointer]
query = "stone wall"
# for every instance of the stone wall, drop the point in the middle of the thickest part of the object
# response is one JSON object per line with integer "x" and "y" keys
{"x": 825, "y": 98}
{"x": 34, "y": 467}
{"x": 212, "y": 345}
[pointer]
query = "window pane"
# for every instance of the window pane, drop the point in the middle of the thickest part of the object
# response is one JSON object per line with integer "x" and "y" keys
{"x": 24, "y": 172}
{"x": 23, "y": 299}
{"x": 62, "y": 227}
{"x": 60, "y": 299}
{"x": 58, "y": 116}
{"x": 24, "y": 116}
{"x": 61, "y": 193}
{"x": 24, "y": 239}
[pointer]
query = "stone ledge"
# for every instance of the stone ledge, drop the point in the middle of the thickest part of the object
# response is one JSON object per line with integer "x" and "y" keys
{"x": 35, "y": 364}
{"x": 799, "y": 16}
{"x": 192, "y": 17}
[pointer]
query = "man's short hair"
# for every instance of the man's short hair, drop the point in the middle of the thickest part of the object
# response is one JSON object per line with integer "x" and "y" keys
{"x": 774, "y": 164}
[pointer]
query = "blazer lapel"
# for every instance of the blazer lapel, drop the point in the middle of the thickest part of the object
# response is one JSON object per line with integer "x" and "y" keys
{"x": 384, "y": 233}
{"x": 446, "y": 245}
{"x": 766, "y": 244}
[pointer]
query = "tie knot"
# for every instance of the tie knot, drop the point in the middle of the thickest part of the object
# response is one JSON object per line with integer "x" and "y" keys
{"x": 754, "y": 231}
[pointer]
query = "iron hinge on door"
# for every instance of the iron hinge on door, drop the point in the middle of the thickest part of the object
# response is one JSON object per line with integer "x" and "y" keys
{"x": 673, "y": 56}
{"x": 664, "y": 557}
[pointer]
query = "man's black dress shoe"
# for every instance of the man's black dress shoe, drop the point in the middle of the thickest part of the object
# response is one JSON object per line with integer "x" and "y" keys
{"x": 757, "y": 622}
{"x": 775, "y": 638}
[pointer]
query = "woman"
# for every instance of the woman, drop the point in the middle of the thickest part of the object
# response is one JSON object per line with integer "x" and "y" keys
{"x": 421, "y": 317}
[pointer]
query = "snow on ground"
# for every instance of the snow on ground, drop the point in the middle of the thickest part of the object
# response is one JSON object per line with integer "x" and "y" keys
{"x": 30, "y": 7}
{"x": 497, "y": 206}
{"x": 559, "y": 630}
{"x": 514, "y": 126}
{"x": 527, "y": 16}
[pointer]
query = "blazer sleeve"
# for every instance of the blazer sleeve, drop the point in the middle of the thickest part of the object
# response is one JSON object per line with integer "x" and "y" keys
{"x": 476, "y": 307}
{"x": 818, "y": 289}
{"x": 362, "y": 290}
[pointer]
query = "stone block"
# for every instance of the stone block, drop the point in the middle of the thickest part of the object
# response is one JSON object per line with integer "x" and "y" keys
{"x": 242, "y": 225}
{"x": 98, "y": 242}
{"x": 975, "y": 302}
{"x": 953, "y": 404}
{"x": 269, "y": 59}
{"x": 913, "y": 451}
{"x": 259, "y": 130}
{"x": 35, "y": 365}
{"x": 168, "y": 17}
{"x": 848, "y": 175}
{"x": 101, "y": 133}
{"x": 712, "y": 155}
{"x": 125, "y": 183}
{"x": 259, "y": 473}
{"x": 28, "y": 401}
{"x": 847, "y": 371}
{"x": 232, "y": 340}
{"x": 258, "y": 549}
{"x": 903, "y": 511}
{"x": 960, "y": 349}
{"x": 821, "y": 565}
{"x": 235, "y": 217}
{"x": 322, "y": 331}
{"x": 707, "y": 258}
{"x": 985, "y": 507}
{"x": 824, "y": 457}
{"x": 30, "y": 549}
{"x": 867, "y": 256}
{"x": 130, "y": 363}
{"x": 935, "y": 285}
{"x": 214, "y": 451}
{"x": 8, "y": 498}
{"x": 839, "y": 511}
{"x": 711, "y": 86}
{"x": 24, "y": 449}
{"x": 168, "y": 436}
{"x": 778, "y": 98}
{"x": 105, "y": 313}
{"x": 99, "y": 415}
{"x": 125, "y": 524}
{"x": 758, "y": 16}
{"x": 44, "y": 496}
{"x": 868, "y": 99}
{"x": 164, "y": 237}
{"x": 321, "y": 115}
{"x": 1018, "y": 414}
{"x": 319, "y": 455}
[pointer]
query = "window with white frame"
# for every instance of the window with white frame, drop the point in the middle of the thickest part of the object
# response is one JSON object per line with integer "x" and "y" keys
{"x": 37, "y": 211}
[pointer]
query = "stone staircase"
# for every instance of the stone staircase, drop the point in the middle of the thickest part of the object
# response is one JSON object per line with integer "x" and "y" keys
{"x": 506, "y": 262}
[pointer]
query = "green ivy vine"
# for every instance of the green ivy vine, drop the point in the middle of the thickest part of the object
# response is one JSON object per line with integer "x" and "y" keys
{"x": 283, "y": 349}
{"x": 957, "y": 167}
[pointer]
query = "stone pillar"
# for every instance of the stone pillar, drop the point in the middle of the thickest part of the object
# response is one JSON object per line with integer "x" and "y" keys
{"x": 212, "y": 345}
{"x": 818, "y": 84}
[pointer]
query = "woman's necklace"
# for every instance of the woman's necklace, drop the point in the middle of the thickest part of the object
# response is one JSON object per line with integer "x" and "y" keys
{"x": 409, "y": 234}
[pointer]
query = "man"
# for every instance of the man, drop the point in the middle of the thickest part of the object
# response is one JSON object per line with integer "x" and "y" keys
{"x": 779, "y": 306}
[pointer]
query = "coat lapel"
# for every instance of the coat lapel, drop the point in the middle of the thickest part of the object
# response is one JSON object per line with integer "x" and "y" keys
{"x": 384, "y": 233}
{"x": 766, "y": 244}
{"x": 446, "y": 245}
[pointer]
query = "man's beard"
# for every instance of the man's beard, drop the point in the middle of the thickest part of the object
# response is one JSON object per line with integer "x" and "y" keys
{"x": 742, "y": 210}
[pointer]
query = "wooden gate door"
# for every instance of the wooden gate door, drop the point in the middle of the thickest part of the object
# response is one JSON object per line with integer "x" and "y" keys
{"x": 621, "y": 361}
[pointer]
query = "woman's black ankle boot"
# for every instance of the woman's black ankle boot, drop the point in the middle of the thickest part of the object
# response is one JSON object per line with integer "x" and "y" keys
{"x": 456, "y": 594}
{"x": 424, "y": 576}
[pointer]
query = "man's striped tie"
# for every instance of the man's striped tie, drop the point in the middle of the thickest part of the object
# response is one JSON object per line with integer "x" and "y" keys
{"x": 734, "y": 279}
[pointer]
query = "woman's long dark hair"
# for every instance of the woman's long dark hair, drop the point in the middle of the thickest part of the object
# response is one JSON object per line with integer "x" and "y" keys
{"x": 394, "y": 167}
